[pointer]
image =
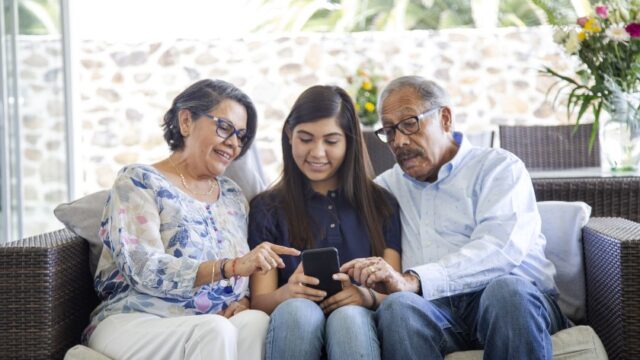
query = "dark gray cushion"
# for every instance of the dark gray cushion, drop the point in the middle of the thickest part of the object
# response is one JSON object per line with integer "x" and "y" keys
{"x": 83, "y": 216}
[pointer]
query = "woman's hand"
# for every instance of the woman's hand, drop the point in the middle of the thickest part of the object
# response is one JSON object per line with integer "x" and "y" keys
{"x": 350, "y": 295}
{"x": 375, "y": 272}
{"x": 296, "y": 287}
{"x": 263, "y": 258}
{"x": 235, "y": 307}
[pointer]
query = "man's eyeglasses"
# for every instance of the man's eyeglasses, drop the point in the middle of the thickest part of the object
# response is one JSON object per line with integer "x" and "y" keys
{"x": 408, "y": 126}
{"x": 225, "y": 129}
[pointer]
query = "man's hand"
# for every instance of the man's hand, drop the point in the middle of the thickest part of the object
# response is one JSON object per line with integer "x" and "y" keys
{"x": 376, "y": 273}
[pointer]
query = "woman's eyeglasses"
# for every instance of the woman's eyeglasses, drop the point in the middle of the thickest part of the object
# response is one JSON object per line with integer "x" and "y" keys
{"x": 225, "y": 129}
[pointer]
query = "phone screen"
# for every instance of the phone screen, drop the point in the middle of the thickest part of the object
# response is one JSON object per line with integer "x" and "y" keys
{"x": 322, "y": 264}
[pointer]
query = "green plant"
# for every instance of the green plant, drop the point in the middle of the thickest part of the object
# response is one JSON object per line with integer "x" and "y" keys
{"x": 607, "y": 43}
{"x": 395, "y": 15}
{"x": 39, "y": 17}
{"x": 366, "y": 96}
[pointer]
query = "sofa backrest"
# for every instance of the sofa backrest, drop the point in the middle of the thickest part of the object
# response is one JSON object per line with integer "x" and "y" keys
{"x": 562, "y": 224}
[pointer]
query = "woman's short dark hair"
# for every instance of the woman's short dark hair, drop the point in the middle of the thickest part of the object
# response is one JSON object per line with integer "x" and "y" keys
{"x": 202, "y": 97}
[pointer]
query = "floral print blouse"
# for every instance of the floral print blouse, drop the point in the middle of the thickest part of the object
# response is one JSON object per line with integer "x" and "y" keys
{"x": 155, "y": 237}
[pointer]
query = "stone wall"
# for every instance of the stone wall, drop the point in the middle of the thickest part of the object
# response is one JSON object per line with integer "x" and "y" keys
{"x": 491, "y": 75}
{"x": 42, "y": 134}
{"x": 125, "y": 88}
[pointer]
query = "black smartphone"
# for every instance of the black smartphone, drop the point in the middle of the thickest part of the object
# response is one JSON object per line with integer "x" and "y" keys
{"x": 322, "y": 264}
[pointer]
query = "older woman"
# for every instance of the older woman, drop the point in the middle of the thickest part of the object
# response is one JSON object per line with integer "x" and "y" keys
{"x": 173, "y": 273}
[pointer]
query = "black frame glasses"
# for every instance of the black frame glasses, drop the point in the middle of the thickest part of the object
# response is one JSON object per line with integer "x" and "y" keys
{"x": 225, "y": 129}
{"x": 408, "y": 126}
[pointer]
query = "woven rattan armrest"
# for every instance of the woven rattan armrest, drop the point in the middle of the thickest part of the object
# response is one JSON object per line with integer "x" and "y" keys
{"x": 612, "y": 248}
{"x": 607, "y": 196}
{"x": 46, "y": 295}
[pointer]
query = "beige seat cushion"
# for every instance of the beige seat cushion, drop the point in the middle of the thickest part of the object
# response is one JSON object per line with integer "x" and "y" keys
{"x": 578, "y": 342}
{"x": 81, "y": 352}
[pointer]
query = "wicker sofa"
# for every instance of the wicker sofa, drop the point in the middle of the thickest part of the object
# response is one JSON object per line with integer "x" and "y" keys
{"x": 46, "y": 292}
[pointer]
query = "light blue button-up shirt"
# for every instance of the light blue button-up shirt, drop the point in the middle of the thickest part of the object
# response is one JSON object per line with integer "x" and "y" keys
{"x": 476, "y": 222}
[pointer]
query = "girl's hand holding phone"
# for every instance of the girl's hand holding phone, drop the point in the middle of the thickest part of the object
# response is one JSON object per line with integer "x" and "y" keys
{"x": 350, "y": 295}
{"x": 296, "y": 287}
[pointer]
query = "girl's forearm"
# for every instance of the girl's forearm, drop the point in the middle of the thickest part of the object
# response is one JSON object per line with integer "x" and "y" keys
{"x": 267, "y": 302}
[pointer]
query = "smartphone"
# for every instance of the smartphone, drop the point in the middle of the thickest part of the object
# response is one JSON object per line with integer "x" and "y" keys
{"x": 322, "y": 263}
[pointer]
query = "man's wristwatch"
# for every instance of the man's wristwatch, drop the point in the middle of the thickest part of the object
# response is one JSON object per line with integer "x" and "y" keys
{"x": 415, "y": 275}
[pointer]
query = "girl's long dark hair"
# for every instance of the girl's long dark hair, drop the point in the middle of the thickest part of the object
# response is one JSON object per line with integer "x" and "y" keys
{"x": 354, "y": 175}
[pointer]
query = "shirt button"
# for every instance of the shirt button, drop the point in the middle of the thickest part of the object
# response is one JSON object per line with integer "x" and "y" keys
{"x": 330, "y": 207}
{"x": 332, "y": 225}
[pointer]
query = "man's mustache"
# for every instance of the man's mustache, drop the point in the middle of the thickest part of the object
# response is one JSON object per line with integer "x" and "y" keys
{"x": 406, "y": 153}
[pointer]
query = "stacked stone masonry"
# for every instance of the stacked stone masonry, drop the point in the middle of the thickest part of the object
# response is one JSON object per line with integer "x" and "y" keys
{"x": 125, "y": 88}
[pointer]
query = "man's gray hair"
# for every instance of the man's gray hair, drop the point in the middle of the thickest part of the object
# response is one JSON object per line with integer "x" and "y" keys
{"x": 428, "y": 90}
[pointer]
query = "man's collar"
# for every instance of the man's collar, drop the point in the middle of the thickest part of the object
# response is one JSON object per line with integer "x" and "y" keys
{"x": 463, "y": 148}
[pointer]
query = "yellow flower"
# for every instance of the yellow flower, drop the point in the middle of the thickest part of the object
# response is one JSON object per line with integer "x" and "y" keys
{"x": 592, "y": 26}
{"x": 582, "y": 35}
{"x": 367, "y": 85}
{"x": 357, "y": 107}
{"x": 369, "y": 106}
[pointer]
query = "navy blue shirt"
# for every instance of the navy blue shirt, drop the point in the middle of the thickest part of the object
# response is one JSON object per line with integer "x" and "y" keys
{"x": 335, "y": 223}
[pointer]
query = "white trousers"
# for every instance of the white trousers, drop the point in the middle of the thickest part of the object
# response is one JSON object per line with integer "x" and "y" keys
{"x": 147, "y": 336}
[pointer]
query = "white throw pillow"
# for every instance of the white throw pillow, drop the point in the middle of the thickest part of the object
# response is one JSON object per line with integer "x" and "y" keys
{"x": 562, "y": 224}
{"x": 82, "y": 216}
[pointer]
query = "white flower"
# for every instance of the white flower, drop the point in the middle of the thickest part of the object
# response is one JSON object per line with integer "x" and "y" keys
{"x": 572, "y": 45}
{"x": 624, "y": 14}
{"x": 559, "y": 36}
{"x": 617, "y": 33}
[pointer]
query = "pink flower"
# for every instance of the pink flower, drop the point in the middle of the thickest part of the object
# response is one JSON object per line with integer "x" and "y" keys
{"x": 582, "y": 20}
{"x": 633, "y": 29}
{"x": 602, "y": 11}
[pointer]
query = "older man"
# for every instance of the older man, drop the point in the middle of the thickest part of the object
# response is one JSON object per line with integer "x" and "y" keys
{"x": 475, "y": 271}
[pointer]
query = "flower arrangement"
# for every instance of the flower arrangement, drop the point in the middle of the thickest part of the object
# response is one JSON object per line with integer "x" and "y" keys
{"x": 607, "y": 43}
{"x": 366, "y": 96}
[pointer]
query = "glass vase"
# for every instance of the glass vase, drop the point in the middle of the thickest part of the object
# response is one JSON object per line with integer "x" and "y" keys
{"x": 620, "y": 132}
